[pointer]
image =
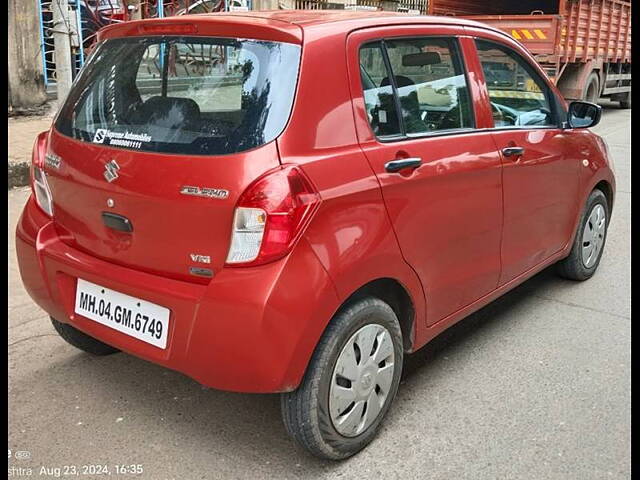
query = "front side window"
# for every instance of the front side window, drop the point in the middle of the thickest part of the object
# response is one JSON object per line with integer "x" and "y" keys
{"x": 519, "y": 97}
{"x": 423, "y": 79}
{"x": 201, "y": 96}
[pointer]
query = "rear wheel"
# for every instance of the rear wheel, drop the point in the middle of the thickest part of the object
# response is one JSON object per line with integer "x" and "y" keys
{"x": 592, "y": 90}
{"x": 350, "y": 382}
{"x": 588, "y": 245}
{"x": 80, "y": 340}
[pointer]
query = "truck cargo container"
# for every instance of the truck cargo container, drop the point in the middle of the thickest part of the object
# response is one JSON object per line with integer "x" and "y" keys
{"x": 583, "y": 45}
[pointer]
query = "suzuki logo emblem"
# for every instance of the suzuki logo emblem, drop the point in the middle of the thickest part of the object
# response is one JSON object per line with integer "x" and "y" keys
{"x": 111, "y": 171}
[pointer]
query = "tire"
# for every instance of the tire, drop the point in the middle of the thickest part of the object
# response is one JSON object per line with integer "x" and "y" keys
{"x": 80, "y": 340}
{"x": 592, "y": 88}
{"x": 310, "y": 411}
{"x": 575, "y": 267}
{"x": 626, "y": 103}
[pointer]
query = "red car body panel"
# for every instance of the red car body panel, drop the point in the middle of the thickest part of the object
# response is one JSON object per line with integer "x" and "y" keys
{"x": 351, "y": 233}
{"x": 82, "y": 192}
{"x": 248, "y": 330}
{"x": 447, "y": 213}
{"x": 459, "y": 231}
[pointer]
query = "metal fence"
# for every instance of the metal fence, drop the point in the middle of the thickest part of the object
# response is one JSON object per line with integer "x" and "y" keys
{"x": 46, "y": 40}
{"x": 86, "y": 17}
{"x": 168, "y": 8}
{"x": 413, "y": 6}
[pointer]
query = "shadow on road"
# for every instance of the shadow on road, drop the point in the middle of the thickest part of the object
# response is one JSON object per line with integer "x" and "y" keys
{"x": 609, "y": 108}
{"x": 497, "y": 311}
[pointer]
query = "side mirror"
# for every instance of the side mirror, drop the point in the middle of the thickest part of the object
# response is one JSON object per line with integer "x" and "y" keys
{"x": 583, "y": 114}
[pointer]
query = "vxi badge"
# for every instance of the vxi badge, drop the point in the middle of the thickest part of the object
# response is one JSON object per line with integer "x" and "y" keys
{"x": 200, "y": 258}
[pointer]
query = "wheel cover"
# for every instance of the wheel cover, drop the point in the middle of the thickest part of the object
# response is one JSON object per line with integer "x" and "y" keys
{"x": 361, "y": 380}
{"x": 593, "y": 235}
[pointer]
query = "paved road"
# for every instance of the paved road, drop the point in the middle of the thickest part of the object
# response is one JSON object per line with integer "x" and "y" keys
{"x": 534, "y": 386}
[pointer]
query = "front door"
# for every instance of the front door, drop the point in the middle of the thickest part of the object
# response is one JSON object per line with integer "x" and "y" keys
{"x": 440, "y": 178}
{"x": 541, "y": 174}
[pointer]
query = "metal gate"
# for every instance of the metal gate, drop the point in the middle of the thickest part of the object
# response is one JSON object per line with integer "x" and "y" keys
{"x": 86, "y": 17}
{"x": 47, "y": 45}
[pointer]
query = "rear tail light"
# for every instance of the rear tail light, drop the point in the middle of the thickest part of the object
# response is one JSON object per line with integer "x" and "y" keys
{"x": 270, "y": 215}
{"x": 39, "y": 183}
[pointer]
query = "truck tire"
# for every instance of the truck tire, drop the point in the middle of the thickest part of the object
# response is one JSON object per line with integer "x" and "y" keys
{"x": 82, "y": 341}
{"x": 626, "y": 103}
{"x": 592, "y": 88}
{"x": 350, "y": 383}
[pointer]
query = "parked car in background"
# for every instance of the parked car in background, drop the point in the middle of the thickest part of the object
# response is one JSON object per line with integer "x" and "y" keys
{"x": 213, "y": 198}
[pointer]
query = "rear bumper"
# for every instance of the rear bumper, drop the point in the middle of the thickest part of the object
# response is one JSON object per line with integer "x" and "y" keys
{"x": 248, "y": 330}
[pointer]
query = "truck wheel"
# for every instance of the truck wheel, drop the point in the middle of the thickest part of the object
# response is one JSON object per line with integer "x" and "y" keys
{"x": 592, "y": 89}
{"x": 588, "y": 245}
{"x": 80, "y": 340}
{"x": 626, "y": 103}
{"x": 350, "y": 383}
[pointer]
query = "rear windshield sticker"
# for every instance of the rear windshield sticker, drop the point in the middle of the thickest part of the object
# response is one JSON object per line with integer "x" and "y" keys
{"x": 121, "y": 139}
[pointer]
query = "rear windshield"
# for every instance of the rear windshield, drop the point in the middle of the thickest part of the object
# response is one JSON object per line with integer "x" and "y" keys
{"x": 201, "y": 96}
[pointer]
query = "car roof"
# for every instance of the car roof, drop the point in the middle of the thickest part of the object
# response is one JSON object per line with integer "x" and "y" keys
{"x": 286, "y": 25}
{"x": 365, "y": 18}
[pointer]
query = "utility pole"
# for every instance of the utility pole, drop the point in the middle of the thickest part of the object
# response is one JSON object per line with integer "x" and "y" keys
{"x": 62, "y": 43}
{"x": 26, "y": 71}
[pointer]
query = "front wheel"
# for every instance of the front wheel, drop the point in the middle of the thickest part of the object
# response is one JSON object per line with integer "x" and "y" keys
{"x": 588, "y": 245}
{"x": 350, "y": 383}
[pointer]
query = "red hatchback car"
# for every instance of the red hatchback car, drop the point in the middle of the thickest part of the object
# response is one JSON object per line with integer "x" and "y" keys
{"x": 291, "y": 201}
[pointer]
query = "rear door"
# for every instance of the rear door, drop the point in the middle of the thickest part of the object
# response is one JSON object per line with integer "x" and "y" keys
{"x": 440, "y": 176}
{"x": 164, "y": 134}
{"x": 541, "y": 164}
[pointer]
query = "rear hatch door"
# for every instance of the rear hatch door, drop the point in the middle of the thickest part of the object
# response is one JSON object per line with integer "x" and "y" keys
{"x": 163, "y": 134}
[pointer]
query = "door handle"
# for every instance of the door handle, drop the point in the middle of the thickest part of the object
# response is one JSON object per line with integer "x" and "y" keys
{"x": 513, "y": 151}
{"x": 401, "y": 164}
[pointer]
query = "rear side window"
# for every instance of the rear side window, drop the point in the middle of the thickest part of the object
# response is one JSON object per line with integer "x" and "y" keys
{"x": 378, "y": 92}
{"x": 427, "y": 83}
{"x": 519, "y": 97}
{"x": 201, "y": 96}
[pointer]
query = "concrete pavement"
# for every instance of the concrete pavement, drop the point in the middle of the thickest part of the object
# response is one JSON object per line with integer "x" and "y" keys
{"x": 22, "y": 134}
{"x": 534, "y": 386}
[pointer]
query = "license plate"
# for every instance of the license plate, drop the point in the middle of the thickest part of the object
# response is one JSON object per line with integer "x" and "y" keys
{"x": 132, "y": 316}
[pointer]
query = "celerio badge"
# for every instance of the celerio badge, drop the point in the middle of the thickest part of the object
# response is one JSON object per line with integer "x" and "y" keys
{"x": 218, "y": 193}
{"x": 111, "y": 171}
{"x": 52, "y": 160}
